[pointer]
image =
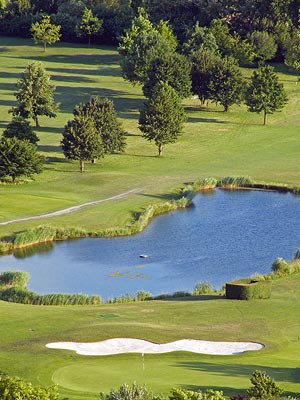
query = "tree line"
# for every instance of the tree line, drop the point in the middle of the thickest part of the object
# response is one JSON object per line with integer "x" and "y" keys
{"x": 249, "y": 30}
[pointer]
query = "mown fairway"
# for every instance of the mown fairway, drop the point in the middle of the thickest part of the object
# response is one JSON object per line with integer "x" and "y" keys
{"x": 213, "y": 144}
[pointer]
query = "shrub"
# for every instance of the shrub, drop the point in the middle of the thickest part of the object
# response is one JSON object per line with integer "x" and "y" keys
{"x": 203, "y": 288}
{"x": 247, "y": 290}
{"x": 264, "y": 387}
{"x": 126, "y": 392}
{"x": 205, "y": 184}
{"x": 14, "y": 278}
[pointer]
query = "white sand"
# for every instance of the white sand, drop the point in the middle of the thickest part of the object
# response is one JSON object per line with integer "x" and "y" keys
{"x": 123, "y": 345}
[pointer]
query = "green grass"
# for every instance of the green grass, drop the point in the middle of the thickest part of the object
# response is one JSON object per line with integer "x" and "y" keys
{"x": 25, "y": 330}
{"x": 215, "y": 144}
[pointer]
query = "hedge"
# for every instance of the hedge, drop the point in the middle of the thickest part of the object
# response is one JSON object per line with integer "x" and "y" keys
{"x": 247, "y": 289}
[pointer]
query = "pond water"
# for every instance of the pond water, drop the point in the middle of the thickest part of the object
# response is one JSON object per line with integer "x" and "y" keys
{"x": 223, "y": 236}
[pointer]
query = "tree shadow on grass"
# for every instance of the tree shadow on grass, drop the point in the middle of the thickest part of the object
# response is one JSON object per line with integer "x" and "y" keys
{"x": 103, "y": 71}
{"x": 238, "y": 370}
{"x": 206, "y": 120}
{"x": 49, "y": 149}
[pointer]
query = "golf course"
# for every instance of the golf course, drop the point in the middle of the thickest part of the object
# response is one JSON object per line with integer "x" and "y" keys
{"x": 214, "y": 143}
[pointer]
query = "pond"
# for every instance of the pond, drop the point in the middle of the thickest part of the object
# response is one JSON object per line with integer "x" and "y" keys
{"x": 224, "y": 235}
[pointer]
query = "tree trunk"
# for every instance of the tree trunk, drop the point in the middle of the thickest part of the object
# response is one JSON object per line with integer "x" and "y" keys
{"x": 81, "y": 163}
{"x": 45, "y": 44}
{"x": 160, "y": 150}
{"x": 37, "y": 125}
{"x": 265, "y": 117}
{"x": 89, "y": 41}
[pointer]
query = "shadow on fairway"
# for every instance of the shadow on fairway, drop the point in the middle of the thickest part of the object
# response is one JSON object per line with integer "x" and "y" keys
{"x": 277, "y": 373}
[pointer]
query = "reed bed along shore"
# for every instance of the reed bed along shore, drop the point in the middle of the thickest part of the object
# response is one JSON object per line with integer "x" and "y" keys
{"x": 183, "y": 199}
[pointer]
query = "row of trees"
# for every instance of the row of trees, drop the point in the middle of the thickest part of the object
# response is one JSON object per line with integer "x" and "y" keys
{"x": 249, "y": 30}
{"x": 263, "y": 388}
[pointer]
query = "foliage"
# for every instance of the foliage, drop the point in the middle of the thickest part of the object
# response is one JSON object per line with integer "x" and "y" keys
{"x": 19, "y": 158}
{"x": 80, "y": 139}
{"x": 44, "y": 32}
{"x": 127, "y": 392}
{"x": 248, "y": 289}
{"x": 203, "y": 61}
{"x": 201, "y": 38}
{"x": 205, "y": 183}
{"x": 14, "y": 278}
{"x": 264, "y": 387}
{"x": 89, "y": 25}
{"x": 171, "y": 68}
{"x": 281, "y": 267}
{"x": 202, "y": 288}
{"x": 265, "y": 93}
{"x": 35, "y": 94}
{"x": 292, "y": 56}
{"x": 184, "y": 394}
{"x": 20, "y": 128}
{"x": 143, "y": 43}
{"x": 17, "y": 388}
{"x": 108, "y": 128}
{"x": 226, "y": 83}
{"x": 264, "y": 45}
{"x": 162, "y": 116}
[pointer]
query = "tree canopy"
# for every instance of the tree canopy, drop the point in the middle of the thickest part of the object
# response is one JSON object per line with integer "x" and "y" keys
{"x": 265, "y": 93}
{"x": 44, "y": 32}
{"x": 35, "y": 94}
{"x": 19, "y": 158}
{"x": 89, "y": 25}
{"x": 17, "y": 388}
{"x": 162, "y": 117}
{"x": 20, "y": 128}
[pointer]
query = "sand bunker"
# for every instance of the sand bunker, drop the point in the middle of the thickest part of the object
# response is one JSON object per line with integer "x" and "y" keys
{"x": 122, "y": 345}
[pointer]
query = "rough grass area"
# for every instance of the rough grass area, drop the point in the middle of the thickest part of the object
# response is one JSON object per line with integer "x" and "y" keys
{"x": 25, "y": 330}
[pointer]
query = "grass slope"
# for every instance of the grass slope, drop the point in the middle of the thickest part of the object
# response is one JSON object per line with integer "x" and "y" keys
{"x": 214, "y": 143}
{"x": 25, "y": 330}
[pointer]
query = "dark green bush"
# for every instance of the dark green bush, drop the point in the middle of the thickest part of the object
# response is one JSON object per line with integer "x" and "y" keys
{"x": 248, "y": 289}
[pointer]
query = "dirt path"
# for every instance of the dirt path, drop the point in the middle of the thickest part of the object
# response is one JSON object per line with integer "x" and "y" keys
{"x": 72, "y": 209}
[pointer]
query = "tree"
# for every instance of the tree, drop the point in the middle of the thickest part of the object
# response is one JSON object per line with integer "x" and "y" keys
{"x": 162, "y": 116}
{"x": 292, "y": 57}
{"x": 265, "y": 93}
{"x": 226, "y": 83}
{"x": 89, "y": 25}
{"x": 200, "y": 38}
{"x": 44, "y": 32}
{"x": 17, "y": 388}
{"x": 35, "y": 94}
{"x": 264, "y": 387}
{"x": 143, "y": 43}
{"x": 19, "y": 158}
{"x": 203, "y": 61}
{"x": 173, "y": 69}
{"x": 20, "y": 128}
{"x": 80, "y": 139}
{"x": 263, "y": 44}
{"x": 104, "y": 117}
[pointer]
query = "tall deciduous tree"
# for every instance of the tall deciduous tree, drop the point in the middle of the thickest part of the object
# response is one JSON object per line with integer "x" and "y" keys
{"x": 102, "y": 112}
{"x": 35, "y": 94}
{"x": 143, "y": 43}
{"x": 20, "y": 128}
{"x": 173, "y": 69}
{"x": 19, "y": 158}
{"x": 162, "y": 118}
{"x": 264, "y": 45}
{"x": 265, "y": 93}
{"x": 80, "y": 140}
{"x": 226, "y": 83}
{"x": 44, "y": 32}
{"x": 203, "y": 61}
{"x": 89, "y": 25}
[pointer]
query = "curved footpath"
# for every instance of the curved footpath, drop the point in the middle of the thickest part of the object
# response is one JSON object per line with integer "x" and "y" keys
{"x": 72, "y": 209}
